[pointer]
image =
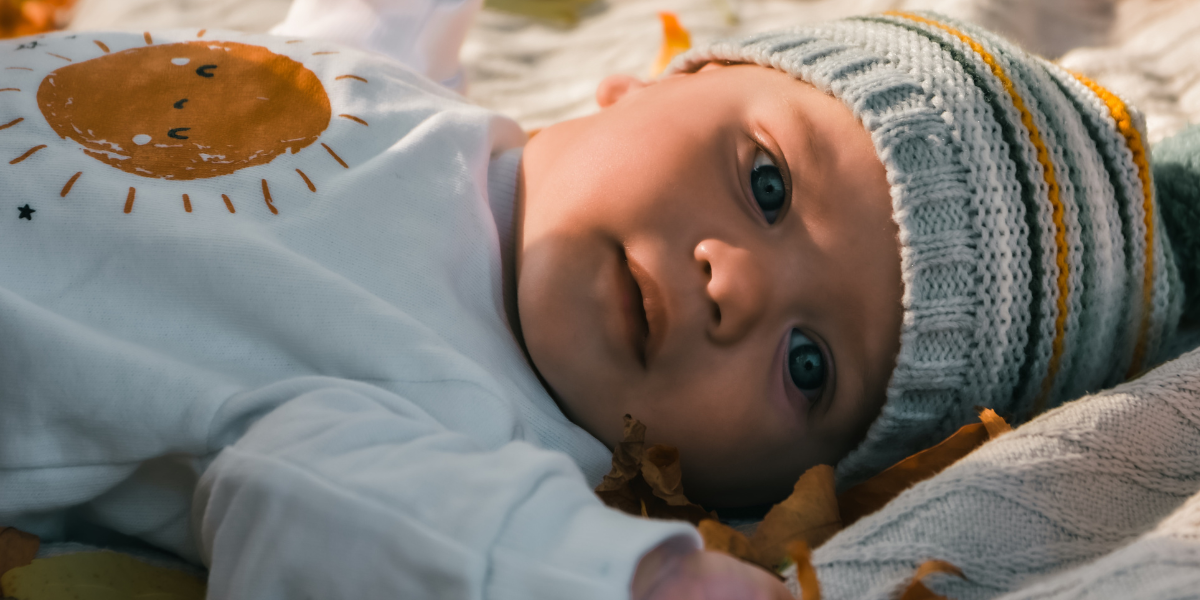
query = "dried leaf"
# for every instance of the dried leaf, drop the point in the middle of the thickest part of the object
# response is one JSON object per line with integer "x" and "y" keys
{"x": 806, "y": 575}
{"x": 648, "y": 481}
{"x": 810, "y": 514}
{"x": 662, "y": 474}
{"x": 995, "y": 424}
{"x": 17, "y": 549}
{"x": 28, "y": 17}
{"x": 870, "y": 495}
{"x": 660, "y": 467}
{"x": 102, "y": 574}
{"x": 676, "y": 41}
{"x": 627, "y": 458}
{"x": 720, "y": 537}
{"x": 615, "y": 490}
{"x": 916, "y": 589}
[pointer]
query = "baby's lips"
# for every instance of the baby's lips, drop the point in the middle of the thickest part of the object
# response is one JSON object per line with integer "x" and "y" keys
{"x": 652, "y": 310}
{"x": 632, "y": 305}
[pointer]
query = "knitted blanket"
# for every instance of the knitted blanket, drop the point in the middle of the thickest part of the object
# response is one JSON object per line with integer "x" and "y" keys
{"x": 1095, "y": 499}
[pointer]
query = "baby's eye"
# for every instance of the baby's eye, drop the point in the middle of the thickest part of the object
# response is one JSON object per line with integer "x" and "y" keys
{"x": 806, "y": 364}
{"x": 766, "y": 183}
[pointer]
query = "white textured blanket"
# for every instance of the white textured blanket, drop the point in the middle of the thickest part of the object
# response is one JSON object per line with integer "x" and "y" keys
{"x": 1095, "y": 499}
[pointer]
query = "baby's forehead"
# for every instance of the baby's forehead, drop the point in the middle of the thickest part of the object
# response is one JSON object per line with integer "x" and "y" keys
{"x": 741, "y": 65}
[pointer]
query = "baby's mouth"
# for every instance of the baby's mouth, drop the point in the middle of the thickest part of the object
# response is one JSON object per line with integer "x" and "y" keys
{"x": 637, "y": 327}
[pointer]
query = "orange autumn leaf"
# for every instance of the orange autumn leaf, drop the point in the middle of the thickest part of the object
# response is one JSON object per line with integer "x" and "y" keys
{"x": 29, "y": 17}
{"x": 809, "y": 514}
{"x": 995, "y": 424}
{"x": 872, "y": 494}
{"x": 720, "y": 537}
{"x": 649, "y": 482}
{"x": 806, "y": 575}
{"x": 17, "y": 549}
{"x": 916, "y": 589}
{"x": 676, "y": 41}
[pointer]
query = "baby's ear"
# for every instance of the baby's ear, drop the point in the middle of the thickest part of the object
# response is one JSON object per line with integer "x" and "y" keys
{"x": 615, "y": 87}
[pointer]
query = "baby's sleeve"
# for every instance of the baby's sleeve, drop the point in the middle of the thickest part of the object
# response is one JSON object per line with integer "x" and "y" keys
{"x": 426, "y": 35}
{"x": 353, "y": 493}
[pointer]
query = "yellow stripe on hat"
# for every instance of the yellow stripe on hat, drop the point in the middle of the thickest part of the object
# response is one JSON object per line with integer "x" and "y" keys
{"x": 1043, "y": 156}
{"x": 1133, "y": 139}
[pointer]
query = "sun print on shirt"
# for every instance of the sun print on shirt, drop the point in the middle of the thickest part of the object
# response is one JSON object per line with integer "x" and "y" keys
{"x": 186, "y": 111}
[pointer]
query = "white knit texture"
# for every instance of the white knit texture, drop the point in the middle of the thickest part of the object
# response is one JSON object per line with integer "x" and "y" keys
{"x": 1164, "y": 564}
{"x": 1072, "y": 489}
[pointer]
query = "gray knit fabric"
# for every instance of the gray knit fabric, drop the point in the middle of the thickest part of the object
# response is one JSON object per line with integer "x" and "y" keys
{"x": 1095, "y": 499}
{"x": 1032, "y": 271}
{"x": 1161, "y": 565}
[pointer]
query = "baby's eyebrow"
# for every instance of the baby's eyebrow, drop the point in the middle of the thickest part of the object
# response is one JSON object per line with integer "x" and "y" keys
{"x": 810, "y": 141}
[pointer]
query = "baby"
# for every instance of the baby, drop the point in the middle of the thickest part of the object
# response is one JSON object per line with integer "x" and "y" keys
{"x": 301, "y": 314}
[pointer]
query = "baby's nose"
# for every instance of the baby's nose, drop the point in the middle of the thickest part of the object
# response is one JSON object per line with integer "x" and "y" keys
{"x": 736, "y": 289}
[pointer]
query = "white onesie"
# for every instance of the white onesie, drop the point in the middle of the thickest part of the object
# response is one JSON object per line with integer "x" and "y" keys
{"x": 251, "y": 313}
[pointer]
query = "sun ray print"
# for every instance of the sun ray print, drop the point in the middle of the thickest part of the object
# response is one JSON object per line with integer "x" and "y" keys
{"x": 149, "y": 40}
{"x": 324, "y": 52}
{"x": 335, "y": 156}
{"x": 187, "y": 203}
{"x": 10, "y": 89}
{"x": 267, "y": 198}
{"x": 354, "y": 118}
{"x": 228, "y": 203}
{"x": 129, "y": 200}
{"x": 17, "y": 69}
{"x": 340, "y": 77}
{"x": 12, "y": 123}
{"x": 28, "y": 153}
{"x": 70, "y": 184}
{"x": 102, "y": 45}
{"x": 59, "y": 56}
{"x": 201, "y": 33}
{"x": 307, "y": 181}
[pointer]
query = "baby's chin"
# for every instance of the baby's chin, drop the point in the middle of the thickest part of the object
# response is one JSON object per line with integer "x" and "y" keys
{"x": 748, "y": 487}
{"x": 733, "y": 474}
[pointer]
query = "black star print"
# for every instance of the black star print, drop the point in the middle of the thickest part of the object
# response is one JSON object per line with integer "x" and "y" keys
{"x": 26, "y": 212}
{"x": 29, "y": 46}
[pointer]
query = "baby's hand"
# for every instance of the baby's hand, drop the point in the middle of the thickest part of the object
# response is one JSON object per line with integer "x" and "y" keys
{"x": 701, "y": 575}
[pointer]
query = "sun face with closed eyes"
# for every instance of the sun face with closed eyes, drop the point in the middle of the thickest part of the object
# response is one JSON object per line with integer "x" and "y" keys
{"x": 164, "y": 111}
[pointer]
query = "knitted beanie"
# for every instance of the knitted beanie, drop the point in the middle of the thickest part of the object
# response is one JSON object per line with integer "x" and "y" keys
{"x": 1034, "y": 259}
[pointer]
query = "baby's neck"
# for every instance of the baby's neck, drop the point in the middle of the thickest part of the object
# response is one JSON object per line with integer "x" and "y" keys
{"x": 506, "y": 191}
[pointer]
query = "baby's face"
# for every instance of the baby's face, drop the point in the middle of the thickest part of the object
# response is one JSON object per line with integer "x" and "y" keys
{"x": 715, "y": 255}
